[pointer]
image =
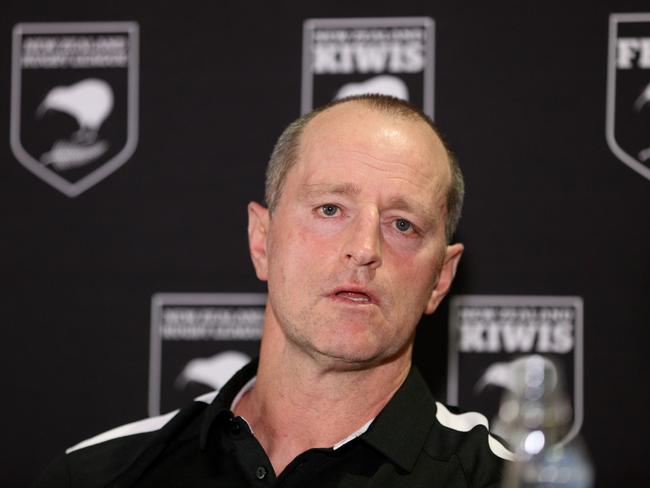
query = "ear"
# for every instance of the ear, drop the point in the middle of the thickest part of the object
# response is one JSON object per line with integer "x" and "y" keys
{"x": 446, "y": 276}
{"x": 258, "y": 226}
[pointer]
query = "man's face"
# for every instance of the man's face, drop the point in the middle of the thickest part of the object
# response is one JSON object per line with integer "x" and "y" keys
{"x": 355, "y": 250}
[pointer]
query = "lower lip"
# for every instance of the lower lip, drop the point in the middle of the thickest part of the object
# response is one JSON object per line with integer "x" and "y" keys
{"x": 349, "y": 301}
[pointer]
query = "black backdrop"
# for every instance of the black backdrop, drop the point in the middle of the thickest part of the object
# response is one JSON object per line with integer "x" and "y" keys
{"x": 520, "y": 93}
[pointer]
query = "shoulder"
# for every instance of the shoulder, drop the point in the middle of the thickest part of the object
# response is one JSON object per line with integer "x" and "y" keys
{"x": 124, "y": 434}
{"x": 461, "y": 425}
{"x": 466, "y": 438}
{"x": 98, "y": 460}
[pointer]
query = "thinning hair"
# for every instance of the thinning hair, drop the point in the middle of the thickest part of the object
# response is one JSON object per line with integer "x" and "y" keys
{"x": 287, "y": 148}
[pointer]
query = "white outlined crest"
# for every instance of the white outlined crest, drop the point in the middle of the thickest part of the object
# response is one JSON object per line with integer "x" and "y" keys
{"x": 351, "y": 56}
{"x": 628, "y": 90}
{"x": 490, "y": 332}
{"x": 198, "y": 331}
{"x": 74, "y": 100}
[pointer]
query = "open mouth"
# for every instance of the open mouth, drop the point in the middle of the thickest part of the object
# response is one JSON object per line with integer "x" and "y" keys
{"x": 354, "y": 297}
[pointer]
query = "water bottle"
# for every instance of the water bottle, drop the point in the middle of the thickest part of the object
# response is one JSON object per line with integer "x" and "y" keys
{"x": 534, "y": 419}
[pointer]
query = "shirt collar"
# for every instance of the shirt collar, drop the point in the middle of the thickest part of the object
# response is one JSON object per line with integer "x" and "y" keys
{"x": 230, "y": 395}
{"x": 402, "y": 427}
{"x": 227, "y": 397}
{"x": 399, "y": 431}
{"x": 357, "y": 433}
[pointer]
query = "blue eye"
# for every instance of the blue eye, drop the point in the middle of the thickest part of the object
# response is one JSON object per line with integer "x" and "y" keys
{"x": 329, "y": 210}
{"x": 403, "y": 225}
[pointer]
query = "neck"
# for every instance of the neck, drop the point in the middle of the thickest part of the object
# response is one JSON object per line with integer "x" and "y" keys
{"x": 301, "y": 402}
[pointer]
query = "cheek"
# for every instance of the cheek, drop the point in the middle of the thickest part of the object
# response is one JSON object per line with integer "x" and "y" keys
{"x": 403, "y": 249}
{"x": 414, "y": 256}
{"x": 295, "y": 253}
{"x": 413, "y": 278}
{"x": 318, "y": 238}
{"x": 322, "y": 228}
{"x": 409, "y": 246}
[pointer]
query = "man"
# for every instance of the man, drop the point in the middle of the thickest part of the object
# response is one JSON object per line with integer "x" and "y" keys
{"x": 363, "y": 198}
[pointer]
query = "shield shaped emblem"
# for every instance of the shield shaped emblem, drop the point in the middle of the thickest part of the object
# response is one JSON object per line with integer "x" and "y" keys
{"x": 198, "y": 341}
{"x": 628, "y": 90}
{"x": 352, "y": 56}
{"x": 74, "y": 100}
{"x": 490, "y": 335}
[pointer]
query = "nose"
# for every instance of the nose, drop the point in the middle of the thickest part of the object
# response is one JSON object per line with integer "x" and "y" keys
{"x": 362, "y": 246}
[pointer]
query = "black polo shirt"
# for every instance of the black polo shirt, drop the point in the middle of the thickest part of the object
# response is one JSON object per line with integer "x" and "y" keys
{"x": 414, "y": 441}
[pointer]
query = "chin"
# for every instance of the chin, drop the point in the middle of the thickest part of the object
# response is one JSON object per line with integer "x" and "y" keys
{"x": 347, "y": 361}
{"x": 351, "y": 349}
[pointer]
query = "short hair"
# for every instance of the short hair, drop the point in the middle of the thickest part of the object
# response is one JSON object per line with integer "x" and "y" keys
{"x": 286, "y": 151}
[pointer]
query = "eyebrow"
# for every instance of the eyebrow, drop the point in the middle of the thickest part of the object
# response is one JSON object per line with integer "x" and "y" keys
{"x": 315, "y": 189}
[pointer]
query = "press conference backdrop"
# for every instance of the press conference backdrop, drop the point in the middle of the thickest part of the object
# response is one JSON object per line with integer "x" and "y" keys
{"x": 135, "y": 135}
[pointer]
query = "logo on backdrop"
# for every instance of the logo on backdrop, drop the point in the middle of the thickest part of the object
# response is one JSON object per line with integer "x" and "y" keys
{"x": 390, "y": 56}
{"x": 198, "y": 341}
{"x": 628, "y": 90}
{"x": 489, "y": 336}
{"x": 74, "y": 100}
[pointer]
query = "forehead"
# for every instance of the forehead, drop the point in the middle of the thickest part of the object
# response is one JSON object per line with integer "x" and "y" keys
{"x": 355, "y": 139}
